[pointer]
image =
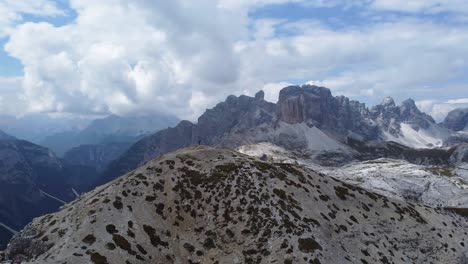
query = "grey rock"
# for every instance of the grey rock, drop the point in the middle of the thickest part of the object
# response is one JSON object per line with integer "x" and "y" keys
{"x": 389, "y": 116}
{"x": 316, "y": 106}
{"x": 460, "y": 154}
{"x": 26, "y": 246}
{"x": 220, "y": 125}
{"x": 455, "y": 139}
{"x": 457, "y": 120}
{"x": 260, "y": 95}
{"x": 204, "y": 205}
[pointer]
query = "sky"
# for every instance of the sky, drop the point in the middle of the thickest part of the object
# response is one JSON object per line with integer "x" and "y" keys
{"x": 98, "y": 57}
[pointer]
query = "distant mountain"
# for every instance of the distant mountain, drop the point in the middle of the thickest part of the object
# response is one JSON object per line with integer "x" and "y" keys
{"x": 407, "y": 125}
{"x": 96, "y": 156}
{"x": 205, "y": 205}
{"x": 112, "y": 129}
{"x": 36, "y": 127}
{"x": 33, "y": 181}
{"x": 306, "y": 118}
{"x": 457, "y": 120}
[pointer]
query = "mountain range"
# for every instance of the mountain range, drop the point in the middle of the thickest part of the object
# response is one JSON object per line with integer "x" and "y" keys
{"x": 111, "y": 129}
{"x": 306, "y": 118}
{"x": 393, "y": 151}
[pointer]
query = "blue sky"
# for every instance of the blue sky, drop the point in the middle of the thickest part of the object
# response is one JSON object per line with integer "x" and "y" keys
{"x": 118, "y": 57}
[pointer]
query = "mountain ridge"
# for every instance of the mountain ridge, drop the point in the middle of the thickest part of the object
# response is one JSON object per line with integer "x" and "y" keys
{"x": 207, "y": 205}
{"x": 111, "y": 129}
{"x": 290, "y": 123}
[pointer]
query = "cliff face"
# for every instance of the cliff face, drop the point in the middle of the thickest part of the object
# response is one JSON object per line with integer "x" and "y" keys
{"x": 317, "y": 107}
{"x": 205, "y": 205}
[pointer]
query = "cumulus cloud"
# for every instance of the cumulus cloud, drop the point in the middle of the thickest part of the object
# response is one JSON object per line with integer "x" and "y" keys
{"x": 130, "y": 57}
{"x": 438, "y": 109}
{"x": 122, "y": 57}
{"x": 12, "y": 11}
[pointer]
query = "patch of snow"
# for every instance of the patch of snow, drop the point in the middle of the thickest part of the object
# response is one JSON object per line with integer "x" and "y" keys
{"x": 399, "y": 179}
{"x": 314, "y": 138}
{"x": 273, "y": 152}
{"x": 432, "y": 137}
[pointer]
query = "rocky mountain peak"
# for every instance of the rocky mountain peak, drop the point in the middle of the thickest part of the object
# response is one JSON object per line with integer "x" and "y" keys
{"x": 390, "y": 117}
{"x": 388, "y": 102}
{"x": 411, "y": 114}
{"x": 457, "y": 120}
{"x": 316, "y": 106}
{"x": 206, "y": 205}
{"x": 409, "y": 105}
{"x": 260, "y": 95}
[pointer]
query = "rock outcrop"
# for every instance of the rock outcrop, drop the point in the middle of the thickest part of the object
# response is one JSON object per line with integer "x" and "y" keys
{"x": 316, "y": 106}
{"x": 457, "y": 120}
{"x": 205, "y": 205}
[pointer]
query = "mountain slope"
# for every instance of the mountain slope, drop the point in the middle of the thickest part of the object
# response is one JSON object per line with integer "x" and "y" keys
{"x": 111, "y": 129}
{"x": 205, "y": 205}
{"x": 440, "y": 179}
{"x": 95, "y": 156}
{"x": 5, "y": 136}
{"x": 33, "y": 181}
{"x": 25, "y": 170}
{"x": 234, "y": 122}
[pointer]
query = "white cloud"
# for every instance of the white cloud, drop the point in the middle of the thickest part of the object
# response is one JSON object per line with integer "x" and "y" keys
{"x": 123, "y": 57}
{"x": 272, "y": 90}
{"x": 458, "y": 101}
{"x": 142, "y": 56}
{"x": 439, "y": 110}
{"x": 11, "y": 12}
{"x": 425, "y": 6}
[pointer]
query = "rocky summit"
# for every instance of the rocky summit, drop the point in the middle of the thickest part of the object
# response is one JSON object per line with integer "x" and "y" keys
{"x": 457, "y": 120}
{"x": 306, "y": 118}
{"x": 206, "y": 205}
